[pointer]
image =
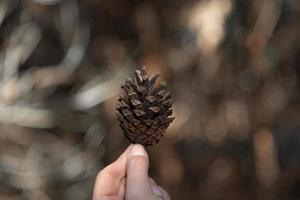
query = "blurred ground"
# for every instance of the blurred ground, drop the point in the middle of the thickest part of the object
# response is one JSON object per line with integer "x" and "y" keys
{"x": 233, "y": 67}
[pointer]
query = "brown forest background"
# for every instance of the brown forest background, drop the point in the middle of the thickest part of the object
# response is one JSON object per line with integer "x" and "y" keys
{"x": 233, "y": 67}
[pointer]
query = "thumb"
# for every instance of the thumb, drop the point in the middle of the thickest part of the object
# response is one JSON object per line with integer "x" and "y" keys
{"x": 137, "y": 186}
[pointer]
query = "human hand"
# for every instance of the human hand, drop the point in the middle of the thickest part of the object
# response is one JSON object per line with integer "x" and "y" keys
{"x": 127, "y": 178}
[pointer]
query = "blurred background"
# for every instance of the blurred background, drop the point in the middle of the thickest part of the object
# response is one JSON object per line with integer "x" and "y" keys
{"x": 233, "y": 67}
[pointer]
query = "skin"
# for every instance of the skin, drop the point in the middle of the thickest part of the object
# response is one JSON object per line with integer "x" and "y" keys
{"x": 127, "y": 178}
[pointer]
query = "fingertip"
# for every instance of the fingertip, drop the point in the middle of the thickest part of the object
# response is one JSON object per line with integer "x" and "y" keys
{"x": 138, "y": 150}
{"x": 156, "y": 190}
{"x": 162, "y": 192}
{"x": 137, "y": 160}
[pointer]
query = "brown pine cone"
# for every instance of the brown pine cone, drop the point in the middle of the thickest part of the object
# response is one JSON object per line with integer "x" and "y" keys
{"x": 144, "y": 110}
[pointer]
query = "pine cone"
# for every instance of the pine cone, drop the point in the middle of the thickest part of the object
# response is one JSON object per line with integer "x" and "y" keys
{"x": 144, "y": 110}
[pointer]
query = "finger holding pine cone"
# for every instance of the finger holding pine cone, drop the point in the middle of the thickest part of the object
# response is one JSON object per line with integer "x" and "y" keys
{"x": 144, "y": 110}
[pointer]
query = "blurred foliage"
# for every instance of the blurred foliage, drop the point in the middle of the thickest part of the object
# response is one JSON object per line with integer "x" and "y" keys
{"x": 233, "y": 67}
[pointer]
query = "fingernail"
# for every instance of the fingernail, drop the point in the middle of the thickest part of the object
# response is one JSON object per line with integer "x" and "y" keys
{"x": 137, "y": 150}
{"x": 156, "y": 190}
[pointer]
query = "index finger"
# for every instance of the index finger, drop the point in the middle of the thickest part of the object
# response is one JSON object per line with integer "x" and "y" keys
{"x": 109, "y": 179}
